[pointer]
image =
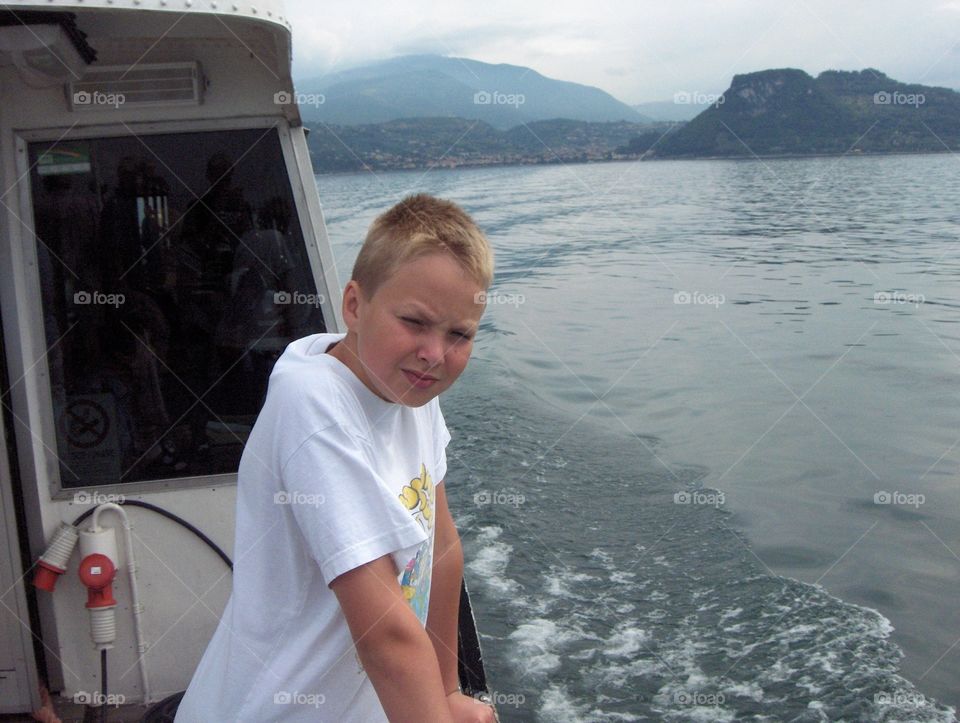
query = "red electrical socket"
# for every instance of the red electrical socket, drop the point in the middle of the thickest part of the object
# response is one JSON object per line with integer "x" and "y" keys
{"x": 96, "y": 573}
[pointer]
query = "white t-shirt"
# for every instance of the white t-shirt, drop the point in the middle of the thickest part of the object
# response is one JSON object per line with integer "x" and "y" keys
{"x": 332, "y": 477}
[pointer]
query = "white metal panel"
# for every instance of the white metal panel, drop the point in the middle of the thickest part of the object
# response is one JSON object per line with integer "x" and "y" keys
{"x": 18, "y": 350}
{"x": 239, "y": 83}
{"x": 184, "y": 587}
{"x": 245, "y": 63}
{"x": 267, "y": 11}
{"x": 18, "y": 675}
{"x": 322, "y": 261}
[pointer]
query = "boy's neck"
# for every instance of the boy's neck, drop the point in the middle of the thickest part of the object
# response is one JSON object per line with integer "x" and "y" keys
{"x": 345, "y": 351}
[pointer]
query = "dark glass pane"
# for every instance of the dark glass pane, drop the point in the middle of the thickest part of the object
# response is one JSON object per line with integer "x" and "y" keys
{"x": 173, "y": 273}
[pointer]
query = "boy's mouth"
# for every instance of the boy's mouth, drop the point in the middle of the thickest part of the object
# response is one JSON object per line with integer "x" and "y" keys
{"x": 420, "y": 381}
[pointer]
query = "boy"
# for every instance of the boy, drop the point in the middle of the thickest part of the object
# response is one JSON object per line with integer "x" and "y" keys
{"x": 348, "y": 565}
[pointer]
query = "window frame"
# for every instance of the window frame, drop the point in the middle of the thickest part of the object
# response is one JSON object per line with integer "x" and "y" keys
{"x": 30, "y": 333}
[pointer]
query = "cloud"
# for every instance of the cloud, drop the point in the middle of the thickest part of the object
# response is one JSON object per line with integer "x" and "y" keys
{"x": 639, "y": 51}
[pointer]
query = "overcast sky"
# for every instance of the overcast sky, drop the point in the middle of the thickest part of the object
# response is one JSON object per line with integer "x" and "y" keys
{"x": 640, "y": 50}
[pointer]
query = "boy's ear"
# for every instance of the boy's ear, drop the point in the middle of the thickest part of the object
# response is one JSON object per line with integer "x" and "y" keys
{"x": 351, "y": 303}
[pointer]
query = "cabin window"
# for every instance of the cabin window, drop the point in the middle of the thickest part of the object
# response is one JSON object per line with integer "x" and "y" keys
{"x": 172, "y": 273}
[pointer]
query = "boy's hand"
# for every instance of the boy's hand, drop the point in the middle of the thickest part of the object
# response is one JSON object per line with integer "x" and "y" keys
{"x": 467, "y": 710}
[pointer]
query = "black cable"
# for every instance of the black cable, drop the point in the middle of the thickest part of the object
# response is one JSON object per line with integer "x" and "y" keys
{"x": 103, "y": 685}
{"x": 169, "y": 515}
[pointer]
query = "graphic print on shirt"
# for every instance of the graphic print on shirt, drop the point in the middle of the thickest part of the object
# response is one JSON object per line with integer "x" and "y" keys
{"x": 418, "y": 497}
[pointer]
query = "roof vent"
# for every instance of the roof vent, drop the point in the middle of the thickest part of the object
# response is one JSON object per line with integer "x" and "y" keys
{"x": 142, "y": 85}
{"x": 47, "y": 48}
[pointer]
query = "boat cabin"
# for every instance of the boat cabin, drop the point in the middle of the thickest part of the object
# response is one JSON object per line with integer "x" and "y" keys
{"x": 161, "y": 241}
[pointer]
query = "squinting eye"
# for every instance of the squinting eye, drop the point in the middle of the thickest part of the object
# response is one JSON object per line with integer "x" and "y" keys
{"x": 411, "y": 320}
{"x": 461, "y": 336}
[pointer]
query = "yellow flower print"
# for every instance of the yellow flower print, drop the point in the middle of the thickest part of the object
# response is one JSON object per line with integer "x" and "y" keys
{"x": 418, "y": 496}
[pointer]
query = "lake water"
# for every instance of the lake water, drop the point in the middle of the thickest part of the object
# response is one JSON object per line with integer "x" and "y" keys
{"x": 705, "y": 456}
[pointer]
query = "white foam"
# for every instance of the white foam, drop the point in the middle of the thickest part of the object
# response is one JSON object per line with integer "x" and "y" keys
{"x": 538, "y": 642}
{"x": 797, "y": 632}
{"x": 555, "y": 585}
{"x": 826, "y": 660}
{"x": 621, "y": 675}
{"x": 809, "y": 686}
{"x": 735, "y": 612}
{"x": 885, "y": 627}
{"x": 746, "y": 690}
{"x": 489, "y": 533}
{"x": 558, "y": 581}
{"x": 557, "y": 706}
{"x": 625, "y": 641}
{"x": 682, "y": 660}
{"x": 708, "y": 714}
{"x": 489, "y": 563}
{"x": 621, "y": 716}
{"x": 601, "y": 555}
{"x": 696, "y": 680}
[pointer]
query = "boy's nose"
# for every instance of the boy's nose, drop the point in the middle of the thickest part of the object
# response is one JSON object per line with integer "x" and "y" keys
{"x": 431, "y": 350}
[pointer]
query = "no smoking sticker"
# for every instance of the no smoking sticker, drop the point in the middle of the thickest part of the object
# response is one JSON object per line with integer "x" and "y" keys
{"x": 87, "y": 441}
{"x": 85, "y": 423}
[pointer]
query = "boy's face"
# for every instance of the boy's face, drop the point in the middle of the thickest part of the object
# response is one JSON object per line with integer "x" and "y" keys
{"x": 412, "y": 338}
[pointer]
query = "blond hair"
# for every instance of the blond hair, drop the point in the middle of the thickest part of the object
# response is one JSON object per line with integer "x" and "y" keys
{"x": 416, "y": 226}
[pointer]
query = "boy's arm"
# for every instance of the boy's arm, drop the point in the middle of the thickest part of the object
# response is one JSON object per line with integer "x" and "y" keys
{"x": 391, "y": 643}
{"x": 444, "y": 611}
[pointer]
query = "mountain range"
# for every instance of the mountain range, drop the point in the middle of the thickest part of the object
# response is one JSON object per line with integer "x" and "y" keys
{"x": 419, "y": 86}
{"x": 788, "y": 112}
{"x": 425, "y": 110}
{"x": 682, "y": 107}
